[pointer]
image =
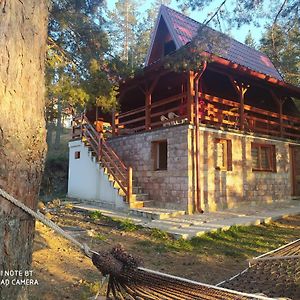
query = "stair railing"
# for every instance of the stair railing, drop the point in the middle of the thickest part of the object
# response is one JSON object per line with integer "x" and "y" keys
{"x": 106, "y": 155}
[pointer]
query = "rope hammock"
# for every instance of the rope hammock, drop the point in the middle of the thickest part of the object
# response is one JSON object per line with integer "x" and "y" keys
{"x": 128, "y": 280}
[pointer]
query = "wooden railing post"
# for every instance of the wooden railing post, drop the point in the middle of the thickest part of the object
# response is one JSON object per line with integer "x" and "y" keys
{"x": 148, "y": 110}
{"x": 241, "y": 88}
{"x": 129, "y": 185}
{"x": 115, "y": 123}
{"x": 280, "y": 107}
{"x": 280, "y": 118}
{"x": 100, "y": 144}
{"x": 190, "y": 102}
{"x": 81, "y": 125}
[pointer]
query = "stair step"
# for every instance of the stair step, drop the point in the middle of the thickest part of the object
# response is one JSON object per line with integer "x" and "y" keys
{"x": 140, "y": 197}
{"x": 136, "y": 204}
{"x": 137, "y": 190}
{"x": 156, "y": 213}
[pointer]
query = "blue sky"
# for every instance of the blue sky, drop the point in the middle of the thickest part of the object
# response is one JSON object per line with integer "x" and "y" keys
{"x": 238, "y": 34}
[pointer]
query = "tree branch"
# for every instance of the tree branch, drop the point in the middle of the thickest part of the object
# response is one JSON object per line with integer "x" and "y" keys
{"x": 215, "y": 13}
{"x": 273, "y": 28}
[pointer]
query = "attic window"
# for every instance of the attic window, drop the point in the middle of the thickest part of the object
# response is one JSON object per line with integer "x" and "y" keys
{"x": 169, "y": 47}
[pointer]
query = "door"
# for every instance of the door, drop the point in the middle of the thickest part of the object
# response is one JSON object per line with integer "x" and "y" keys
{"x": 295, "y": 166}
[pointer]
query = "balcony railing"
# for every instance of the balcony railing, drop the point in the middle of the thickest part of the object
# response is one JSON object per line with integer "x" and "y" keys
{"x": 215, "y": 111}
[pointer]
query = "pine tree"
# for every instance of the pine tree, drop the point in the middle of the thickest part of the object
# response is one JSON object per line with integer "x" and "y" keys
{"x": 22, "y": 134}
{"x": 250, "y": 41}
{"x": 283, "y": 48}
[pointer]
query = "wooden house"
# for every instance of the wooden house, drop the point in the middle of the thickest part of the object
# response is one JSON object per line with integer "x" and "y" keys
{"x": 196, "y": 140}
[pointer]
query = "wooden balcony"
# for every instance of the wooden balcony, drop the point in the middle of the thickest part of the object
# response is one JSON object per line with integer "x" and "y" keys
{"x": 214, "y": 111}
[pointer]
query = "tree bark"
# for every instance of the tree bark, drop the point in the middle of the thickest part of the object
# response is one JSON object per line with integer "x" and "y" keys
{"x": 23, "y": 33}
{"x": 58, "y": 125}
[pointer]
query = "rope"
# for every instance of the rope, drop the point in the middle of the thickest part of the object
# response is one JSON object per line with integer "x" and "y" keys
{"x": 37, "y": 215}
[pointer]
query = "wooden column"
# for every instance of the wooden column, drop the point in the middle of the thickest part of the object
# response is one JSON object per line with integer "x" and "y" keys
{"x": 190, "y": 92}
{"x": 280, "y": 104}
{"x": 147, "y": 110}
{"x": 115, "y": 123}
{"x": 129, "y": 185}
{"x": 241, "y": 88}
{"x": 280, "y": 108}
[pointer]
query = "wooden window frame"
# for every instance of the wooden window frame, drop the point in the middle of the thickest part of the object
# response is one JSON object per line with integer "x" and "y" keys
{"x": 271, "y": 157}
{"x": 227, "y": 154}
{"x": 155, "y": 155}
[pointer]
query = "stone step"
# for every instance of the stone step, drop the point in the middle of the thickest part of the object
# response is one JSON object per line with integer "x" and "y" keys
{"x": 157, "y": 213}
{"x": 140, "y": 197}
{"x": 136, "y": 204}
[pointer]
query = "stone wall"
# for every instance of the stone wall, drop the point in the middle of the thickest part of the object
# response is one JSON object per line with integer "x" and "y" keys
{"x": 174, "y": 187}
{"x": 223, "y": 189}
{"x": 168, "y": 188}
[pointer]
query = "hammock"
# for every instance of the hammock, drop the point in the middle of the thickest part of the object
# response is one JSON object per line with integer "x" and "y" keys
{"x": 129, "y": 281}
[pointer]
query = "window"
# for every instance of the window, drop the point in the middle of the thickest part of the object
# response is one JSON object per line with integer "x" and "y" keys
{"x": 224, "y": 155}
{"x": 77, "y": 154}
{"x": 263, "y": 157}
{"x": 160, "y": 155}
{"x": 169, "y": 47}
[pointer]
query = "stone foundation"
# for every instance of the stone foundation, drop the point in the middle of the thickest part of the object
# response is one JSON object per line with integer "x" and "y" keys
{"x": 168, "y": 188}
{"x": 174, "y": 187}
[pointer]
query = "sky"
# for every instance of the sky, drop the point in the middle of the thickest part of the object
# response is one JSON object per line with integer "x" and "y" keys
{"x": 238, "y": 34}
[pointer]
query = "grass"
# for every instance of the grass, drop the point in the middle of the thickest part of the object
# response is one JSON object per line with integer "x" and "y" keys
{"x": 96, "y": 215}
{"x": 126, "y": 225}
{"x": 238, "y": 241}
{"x": 100, "y": 237}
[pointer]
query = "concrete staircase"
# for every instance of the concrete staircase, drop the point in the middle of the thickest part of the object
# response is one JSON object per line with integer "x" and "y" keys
{"x": 139, "y": 198}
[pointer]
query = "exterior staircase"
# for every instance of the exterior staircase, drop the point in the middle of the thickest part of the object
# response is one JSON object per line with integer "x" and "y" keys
{"x": 117, "y": 172}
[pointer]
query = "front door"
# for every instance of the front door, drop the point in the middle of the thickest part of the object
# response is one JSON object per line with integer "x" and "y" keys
{"x": 295, "y": 165}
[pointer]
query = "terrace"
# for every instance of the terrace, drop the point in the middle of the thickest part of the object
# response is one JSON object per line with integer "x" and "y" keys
{"x": 226, "y": 102}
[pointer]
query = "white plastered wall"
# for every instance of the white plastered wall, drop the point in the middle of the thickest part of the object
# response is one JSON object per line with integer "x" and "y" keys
{"x": 87, "y": 180}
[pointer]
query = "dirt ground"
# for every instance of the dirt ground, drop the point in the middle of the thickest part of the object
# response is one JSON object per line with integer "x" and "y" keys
{"x": 65, "y": 273}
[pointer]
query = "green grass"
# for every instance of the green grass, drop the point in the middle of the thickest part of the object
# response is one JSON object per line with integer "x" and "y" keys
{"x": 238, "y": 241}
{"x": 126, "y": 224}
{"x": 100, "y": 237}
{"x": 96, "y": 215}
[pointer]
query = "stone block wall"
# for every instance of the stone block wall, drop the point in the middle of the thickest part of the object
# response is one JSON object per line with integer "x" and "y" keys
{"x": 224, "y": 189}
{"x": 168, "y": 188}
{"x": 174, "y": 187}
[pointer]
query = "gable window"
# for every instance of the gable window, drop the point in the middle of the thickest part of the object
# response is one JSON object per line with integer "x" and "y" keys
{"x": 160, "y": 155}
{"x": 263, "y": 157}
{"x": 224, "y": 155}
{"x": 169, "y": 47}
{"x": 77, "y": 155}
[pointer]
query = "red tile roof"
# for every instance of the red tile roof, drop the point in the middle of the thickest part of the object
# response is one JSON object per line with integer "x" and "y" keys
{"x": 183, "y": 29}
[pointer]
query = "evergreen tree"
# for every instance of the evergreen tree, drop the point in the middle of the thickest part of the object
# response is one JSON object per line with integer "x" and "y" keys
{"x": 77, "y": 60}
{"x": 283, "y": 48}
{"x": 122, "y": 28}
{"x": 250, "y": 41}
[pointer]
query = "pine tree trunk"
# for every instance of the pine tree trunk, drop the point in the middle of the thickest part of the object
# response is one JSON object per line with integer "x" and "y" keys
{"x": 58, "y": 125}
{"x": 23, "y": 32}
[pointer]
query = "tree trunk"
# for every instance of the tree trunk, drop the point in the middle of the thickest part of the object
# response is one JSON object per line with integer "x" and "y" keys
{"x": 49, "y": 138}
{"x": 58, "y": 125}
{"x": 23, "y": 33}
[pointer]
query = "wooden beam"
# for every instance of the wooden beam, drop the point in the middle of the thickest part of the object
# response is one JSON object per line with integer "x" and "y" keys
{"x": 190, "y": 98}
{"x": 148, "y": 101}
{"x": 115, "y": 123}
{"x": 242, "y": 89}
{"x": 280, "y": 110}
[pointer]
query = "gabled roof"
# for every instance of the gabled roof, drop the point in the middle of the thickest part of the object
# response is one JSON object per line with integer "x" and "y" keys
{"x": 182, "y": 30}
